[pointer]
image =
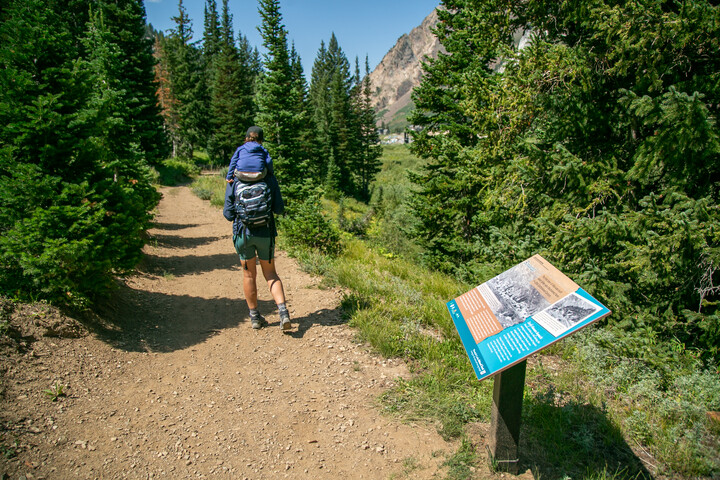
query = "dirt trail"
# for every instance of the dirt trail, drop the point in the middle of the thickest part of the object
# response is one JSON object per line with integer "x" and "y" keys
{"x": 177, "y": 384}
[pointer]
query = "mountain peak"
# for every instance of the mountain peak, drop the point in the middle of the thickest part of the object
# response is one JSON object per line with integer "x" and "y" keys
{"x": 400, "y": 71}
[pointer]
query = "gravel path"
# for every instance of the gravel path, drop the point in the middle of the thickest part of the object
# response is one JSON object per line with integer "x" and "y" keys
{"x": 173, "y": 382}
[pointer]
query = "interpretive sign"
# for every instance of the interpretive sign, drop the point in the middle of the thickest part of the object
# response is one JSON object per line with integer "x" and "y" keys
{"x": 519, "y": 312}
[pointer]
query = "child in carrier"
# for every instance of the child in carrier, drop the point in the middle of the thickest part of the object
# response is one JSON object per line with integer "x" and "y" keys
{"x": 251, "y": 161}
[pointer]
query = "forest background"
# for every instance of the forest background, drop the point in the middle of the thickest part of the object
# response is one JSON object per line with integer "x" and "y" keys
{"x": 596, "y": 146}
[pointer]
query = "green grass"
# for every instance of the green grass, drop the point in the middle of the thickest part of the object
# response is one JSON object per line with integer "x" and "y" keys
{"x": 211, "y": 188}
{"x": 176, "y": 171}
{"x": 396, "y": 160}
{"x": 389, "y": 229}
{"x": 461, "y": 464}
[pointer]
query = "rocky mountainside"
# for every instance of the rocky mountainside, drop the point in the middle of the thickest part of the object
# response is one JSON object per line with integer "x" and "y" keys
{"x": 400, "y": 71}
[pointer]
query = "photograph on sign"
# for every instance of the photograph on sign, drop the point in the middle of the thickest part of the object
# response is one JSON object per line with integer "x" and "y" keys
{"x": 519, "y": 312}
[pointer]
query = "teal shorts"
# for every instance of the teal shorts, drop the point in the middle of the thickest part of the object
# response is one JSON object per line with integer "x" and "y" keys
{"x": 247, "y": 247}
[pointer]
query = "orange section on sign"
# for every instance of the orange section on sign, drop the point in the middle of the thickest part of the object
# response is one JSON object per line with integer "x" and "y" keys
{"x": 477, "y": 314}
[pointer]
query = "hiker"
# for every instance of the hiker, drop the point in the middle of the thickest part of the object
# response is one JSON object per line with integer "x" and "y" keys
{"x": 251, "y": 161}
{"x": 250, "y": 203}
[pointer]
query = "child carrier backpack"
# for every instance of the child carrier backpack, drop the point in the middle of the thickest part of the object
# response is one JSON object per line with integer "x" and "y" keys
{"x": 253, "y": 202}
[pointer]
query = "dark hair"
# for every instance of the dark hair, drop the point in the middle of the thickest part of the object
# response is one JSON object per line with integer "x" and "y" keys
{"x": 254, "y": 134}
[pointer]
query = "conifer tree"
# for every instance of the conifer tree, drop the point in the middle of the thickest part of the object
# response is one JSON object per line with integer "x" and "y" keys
{"x": 212, "y": 42}
{"x": 274, "y": 96}
{"x": 168, "y": 104}
{"x": 333, "y": 178}
{"x": 331, "y": 101}
{"x": 343, "y": 134}
{"x": 319, "y": 102}
{"x": 588, "y": 146}
{"x": 187, "y": 86}
{"x": 232, "y": 105}
{"x": 366, "y": 162}
{"x": 126, "y": 22}
{"x": 306, "y": 146}
{"x": 211, "y": 46}
{"x": 74, "y": 189}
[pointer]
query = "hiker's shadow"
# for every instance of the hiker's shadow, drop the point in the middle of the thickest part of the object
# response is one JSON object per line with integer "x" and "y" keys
{"x": 144, "y": 321}
{"x": 187, "y": 265}
{"x": 325, "y": 317}
{"x": 174, "y": 241}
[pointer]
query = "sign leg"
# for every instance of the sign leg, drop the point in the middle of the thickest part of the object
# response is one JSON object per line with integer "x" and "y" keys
{"x": 505, "y": 418}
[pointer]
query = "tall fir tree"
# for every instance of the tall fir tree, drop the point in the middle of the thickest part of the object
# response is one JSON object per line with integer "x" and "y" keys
{"x": 275, "y": 99}
{"x": 319, "y": 102}
{"x": 212, "y": 42}
{"x": 366, "y": 161}
{"x": 232, "y": 104}
{"x": 587, "y": 146}
{"x": 167, "y": 103}
{"x": 74, "y": 187}
{"x": 330, "y": 99}
{"x": 303, "y": 125}
{"x": 211, "y": 45}
{"x": 126, "y": 22}
{"x": 187, "y": 86}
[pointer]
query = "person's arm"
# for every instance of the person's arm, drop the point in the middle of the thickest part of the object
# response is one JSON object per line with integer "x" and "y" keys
{"x": 229, "y": 207}
{"x": 268, "y": 162}
{"x": 278, "y": 206}
{"x": 233, "y": 164}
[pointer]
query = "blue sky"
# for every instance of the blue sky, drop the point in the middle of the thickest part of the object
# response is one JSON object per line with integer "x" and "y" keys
{"x": 369, "y": 27}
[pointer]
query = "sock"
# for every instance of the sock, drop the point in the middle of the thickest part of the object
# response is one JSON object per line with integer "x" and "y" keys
{"x": 254, "y": 312}
{"x": 282, "y": 308}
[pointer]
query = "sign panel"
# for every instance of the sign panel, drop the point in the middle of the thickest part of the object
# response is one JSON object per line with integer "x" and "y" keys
{"x": 519, "y": 312}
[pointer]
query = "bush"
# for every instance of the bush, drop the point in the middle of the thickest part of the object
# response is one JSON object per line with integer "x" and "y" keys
{"x": 66, "y": 245}
{"x": 306, "y": 227}
{"x": 353, "y": 217}
{"x": 210, "y": 188}
{"x": 175, "y": 171}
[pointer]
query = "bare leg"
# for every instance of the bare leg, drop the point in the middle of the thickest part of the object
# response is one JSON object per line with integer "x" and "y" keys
{"x": 276, "y": 289}
{"x": 274, "y": 283}
{"x": 249, "y": 283}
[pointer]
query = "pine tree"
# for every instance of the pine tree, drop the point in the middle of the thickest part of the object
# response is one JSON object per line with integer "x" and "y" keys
{"x": 274, "y": 97}
{"x": 211, "y": 46}
{"x": 303, "y": 126}
{"x": 333, "y": 178}
{"x": 331, "y": 101}
{"x": 366, "y": 163}
{"x": 319, "y": 102}
{"x": 187, "y": 86}
{"x": 126, "y": 22}
{"x": 74, "y": 189}
{"x": 212, "y": 43}
{"x": 232, "y": 106}
{"x": 446, "y": 206}
{"x": 588, "y": 146}
{"x": 168, "y": 104}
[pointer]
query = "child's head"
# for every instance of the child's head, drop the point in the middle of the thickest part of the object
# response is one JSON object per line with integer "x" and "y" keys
{"x": 254, "y": 134}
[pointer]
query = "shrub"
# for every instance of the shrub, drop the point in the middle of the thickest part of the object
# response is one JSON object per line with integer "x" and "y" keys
{"x": 306, "y": 227}
{"x": 210, "y": 188}
{"x": 175, "y": 171}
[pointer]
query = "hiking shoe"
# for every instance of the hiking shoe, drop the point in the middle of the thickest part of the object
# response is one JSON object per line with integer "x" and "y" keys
{"x": 285, "y": 321}
{"x": 257, "y": 322}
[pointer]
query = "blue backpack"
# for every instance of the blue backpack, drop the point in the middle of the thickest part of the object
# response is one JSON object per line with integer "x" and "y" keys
{"x": 253, "y": 203}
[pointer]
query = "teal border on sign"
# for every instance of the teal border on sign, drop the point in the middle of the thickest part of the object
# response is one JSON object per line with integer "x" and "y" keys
{"x": 514, "y": 344}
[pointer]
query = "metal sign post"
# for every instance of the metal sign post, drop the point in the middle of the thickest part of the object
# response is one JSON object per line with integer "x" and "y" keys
{"x": 505, "y": 417}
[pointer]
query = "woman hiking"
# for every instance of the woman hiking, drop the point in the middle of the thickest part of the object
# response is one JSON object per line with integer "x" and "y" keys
{"x": 251, "y": 203}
